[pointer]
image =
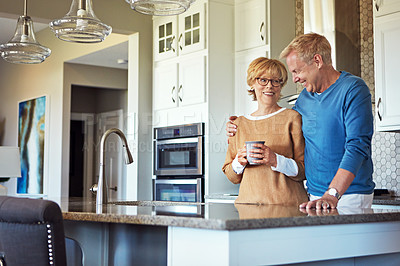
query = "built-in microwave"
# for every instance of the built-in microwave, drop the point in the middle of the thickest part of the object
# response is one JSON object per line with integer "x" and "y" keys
{"x": 179, "y": 150}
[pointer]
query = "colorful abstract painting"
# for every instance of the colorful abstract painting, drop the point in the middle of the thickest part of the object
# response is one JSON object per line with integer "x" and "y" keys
{"x": 31, "y": 137}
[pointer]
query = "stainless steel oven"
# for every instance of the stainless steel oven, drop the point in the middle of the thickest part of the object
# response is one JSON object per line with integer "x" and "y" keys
{"x": 178, "y": 150}
{"x": 173, "y": 189}
{"x": 179, "y": 163}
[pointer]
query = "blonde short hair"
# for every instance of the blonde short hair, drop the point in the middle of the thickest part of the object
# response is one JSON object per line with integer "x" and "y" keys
{"x": 308, "y": 45}
{"x": 272, "y": 67}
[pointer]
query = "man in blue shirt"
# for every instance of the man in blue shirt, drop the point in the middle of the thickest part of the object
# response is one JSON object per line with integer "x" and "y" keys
{"x": 337, "y": 126}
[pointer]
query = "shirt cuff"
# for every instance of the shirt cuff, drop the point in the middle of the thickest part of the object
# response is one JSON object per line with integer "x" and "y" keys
{"x": 237, "y": 167}
{"x": 285, "y": 165}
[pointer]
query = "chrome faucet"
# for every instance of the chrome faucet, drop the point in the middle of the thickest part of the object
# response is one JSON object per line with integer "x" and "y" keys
{"x": 102, "y": 187}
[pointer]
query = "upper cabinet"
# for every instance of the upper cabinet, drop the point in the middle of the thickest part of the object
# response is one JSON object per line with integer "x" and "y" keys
{"x": 179, "y": 83}
{"x": 250, "y": 24}
{"x": 260, "y": 30}
{"x": 178, "y": 35}
{"x": 165, "y": 31}
{"x": 387, "y": 56}
{"x": 192, "y": 29}
{"x": 385, "y": 7}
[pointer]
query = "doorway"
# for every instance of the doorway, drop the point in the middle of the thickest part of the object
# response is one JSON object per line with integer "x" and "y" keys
{"x": 76, "y": 173}
{"x": 93, "y": 111}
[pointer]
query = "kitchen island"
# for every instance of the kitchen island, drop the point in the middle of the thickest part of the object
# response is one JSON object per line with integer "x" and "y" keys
{"x": 168, "y": 233}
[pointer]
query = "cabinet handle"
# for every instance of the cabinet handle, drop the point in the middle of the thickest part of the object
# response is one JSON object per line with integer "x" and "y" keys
{"x": 172, "y": 94}
{"x": 179, "y": 93}
{"x": 179, "y": 41}
{"x": 377, "y": 108}
{"x": 377, "y": 5}
{"x": 261, "y": 33}
{"x": 172, "y": 44}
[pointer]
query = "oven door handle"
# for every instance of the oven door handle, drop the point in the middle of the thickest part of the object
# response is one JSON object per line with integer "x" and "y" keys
{"x": 182, "y": 140}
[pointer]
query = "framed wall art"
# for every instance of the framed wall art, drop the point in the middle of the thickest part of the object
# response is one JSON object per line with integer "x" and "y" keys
{"x": 31, "y": 140}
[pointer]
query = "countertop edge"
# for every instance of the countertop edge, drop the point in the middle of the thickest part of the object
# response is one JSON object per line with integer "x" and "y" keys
{"x": 231, "y": 225}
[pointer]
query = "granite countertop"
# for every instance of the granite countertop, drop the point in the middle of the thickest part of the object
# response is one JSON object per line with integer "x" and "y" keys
{"x": 387, "y": 200}
{"x": 380, "y": 200}
{"x": 221, "y": 216}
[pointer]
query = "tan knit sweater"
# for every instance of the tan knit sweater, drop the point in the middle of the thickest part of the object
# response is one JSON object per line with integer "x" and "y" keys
{"x": 259, "y": 184}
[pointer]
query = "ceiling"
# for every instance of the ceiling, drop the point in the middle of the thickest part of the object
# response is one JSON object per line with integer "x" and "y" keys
{"x": 108, "y": 57}
{"x": 115, "y": 56}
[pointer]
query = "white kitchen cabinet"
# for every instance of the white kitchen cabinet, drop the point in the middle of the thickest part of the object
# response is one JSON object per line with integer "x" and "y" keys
{"x": 192, "y": 82}
{"x": 387, "y": 56}
{"x": 165, "y": 86}
{"x": 192, "y": 29}
{"x": 182, "y": 34}
{"x": 385, "y": 7}
{"x": 165, "y": 32}
{"x": 260, "y": 30}
{"x": 204, "y": 86}
{"x": 179, "y": 83}
{"x": 250, "y": 24}
{"x": 244, "y": 103}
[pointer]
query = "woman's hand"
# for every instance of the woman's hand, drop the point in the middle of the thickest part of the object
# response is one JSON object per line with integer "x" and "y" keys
{"x": 264, "y": 155}
{"x": 242, "y": 156}
{"x": 231, "y": 127}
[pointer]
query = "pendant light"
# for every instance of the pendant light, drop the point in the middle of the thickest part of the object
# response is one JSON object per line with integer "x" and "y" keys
{"x": 160, "y": 7}
{"x": 23, "y": 47}
{"x": 80, "y": 24}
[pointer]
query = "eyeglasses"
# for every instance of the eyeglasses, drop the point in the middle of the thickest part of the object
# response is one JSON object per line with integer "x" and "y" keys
{"x": 264, "y": 82}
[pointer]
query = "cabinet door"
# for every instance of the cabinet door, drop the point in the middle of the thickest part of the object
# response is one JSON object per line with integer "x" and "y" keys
{"x": 384, "y": 7}
{"x": 165, "y": 37}
{"x": 165, "y": 86}
{"x": 387, "y": 58}
{"x": 244, "y": 103}
{"x": 192, "y": 80}
{"x": 250, "y": 24}
{"x": 192, "y": 29}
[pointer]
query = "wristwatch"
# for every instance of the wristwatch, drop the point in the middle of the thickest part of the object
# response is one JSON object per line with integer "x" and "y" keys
{"x": 333, "y": 192}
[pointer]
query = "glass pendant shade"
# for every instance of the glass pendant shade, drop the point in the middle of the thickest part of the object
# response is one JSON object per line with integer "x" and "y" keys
{"x": 160, "y": 7}
{"x": 80, "y": 24}
{"x": 23, "y": 47}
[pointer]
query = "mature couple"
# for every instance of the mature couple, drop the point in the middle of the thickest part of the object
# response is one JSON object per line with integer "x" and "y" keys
{"x": 325, "y": 139}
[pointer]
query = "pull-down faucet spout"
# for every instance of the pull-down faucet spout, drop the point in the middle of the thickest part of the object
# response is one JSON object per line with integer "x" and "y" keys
{"x": 102, "y": 186}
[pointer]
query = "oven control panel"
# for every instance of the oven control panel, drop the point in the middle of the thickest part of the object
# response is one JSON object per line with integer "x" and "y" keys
{"x": 182, "y": 131}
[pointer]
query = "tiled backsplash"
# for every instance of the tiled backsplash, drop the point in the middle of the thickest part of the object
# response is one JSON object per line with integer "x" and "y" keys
{"x": 386, "y": 160}
{"x": 385, "y": 145}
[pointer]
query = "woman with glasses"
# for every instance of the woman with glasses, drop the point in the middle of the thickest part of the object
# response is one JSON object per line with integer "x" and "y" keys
{"x": 278, "y": 176}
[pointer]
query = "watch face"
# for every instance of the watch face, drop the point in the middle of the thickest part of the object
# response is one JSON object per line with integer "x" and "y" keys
{"x": 333, "y": 192}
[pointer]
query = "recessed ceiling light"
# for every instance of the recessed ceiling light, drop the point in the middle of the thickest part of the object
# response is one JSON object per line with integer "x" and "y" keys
{"x": 122, "y": 61}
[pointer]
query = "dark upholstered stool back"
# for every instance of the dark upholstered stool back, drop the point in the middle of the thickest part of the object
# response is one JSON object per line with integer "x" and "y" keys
{"x": 31, "y": 232}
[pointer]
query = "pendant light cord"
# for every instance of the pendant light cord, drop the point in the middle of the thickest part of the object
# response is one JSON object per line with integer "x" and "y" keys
{"x": 25, "y": 8}
{"x": 82, "y": 4}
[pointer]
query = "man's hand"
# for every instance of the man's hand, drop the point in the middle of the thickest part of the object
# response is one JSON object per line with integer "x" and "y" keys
{"x": 325, "y": 202}
{"x": 341, "y": 182}
{"x": 231, "y": 127}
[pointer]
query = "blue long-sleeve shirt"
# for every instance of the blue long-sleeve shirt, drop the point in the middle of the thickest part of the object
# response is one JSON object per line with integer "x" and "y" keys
{"x": 338, "y": 127}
